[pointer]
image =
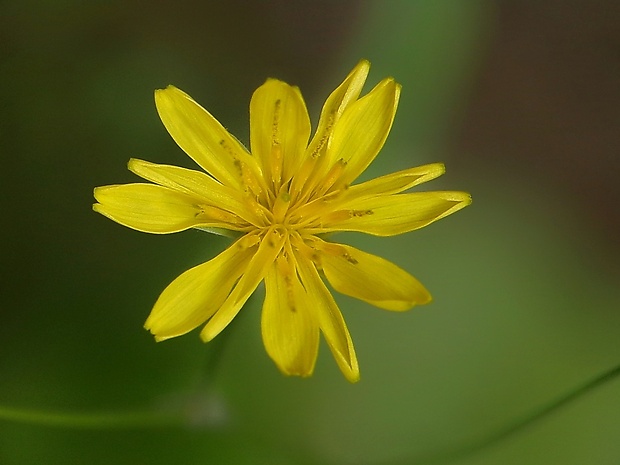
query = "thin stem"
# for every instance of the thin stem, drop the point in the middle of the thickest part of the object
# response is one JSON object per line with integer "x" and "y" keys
{"x": 90, "y": 420}
{"x": 461, "y": 452}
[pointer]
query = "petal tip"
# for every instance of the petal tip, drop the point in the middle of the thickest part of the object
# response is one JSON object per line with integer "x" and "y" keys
{"x": 168, "y": 93}
{"x": 134, "y": 165}
{"x": 362, "y": 66}
{"x": 353, "y": 377}
{"x": 207, "y": 335}
{"x": 99, "y": 193}
{"x": 131, "y": 163}
{"x": 302, "y": 373}
{"x": 424, "y": 301}
{"x": 168, "y": 88}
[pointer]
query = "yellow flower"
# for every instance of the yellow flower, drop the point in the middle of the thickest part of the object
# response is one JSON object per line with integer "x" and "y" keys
{"x": 280, "y": 201}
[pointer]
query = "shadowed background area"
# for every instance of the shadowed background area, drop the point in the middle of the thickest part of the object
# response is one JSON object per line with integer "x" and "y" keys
{"x": 521, "y": 100}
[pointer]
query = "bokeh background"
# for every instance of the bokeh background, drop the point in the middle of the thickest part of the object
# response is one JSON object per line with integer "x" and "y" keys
{"x": 521, "y": 100}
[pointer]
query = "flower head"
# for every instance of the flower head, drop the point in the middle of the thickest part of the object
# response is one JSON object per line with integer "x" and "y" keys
{"x": 279, "y": 200}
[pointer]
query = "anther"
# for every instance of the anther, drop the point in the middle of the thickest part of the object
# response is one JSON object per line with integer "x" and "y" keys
{"x": 281, "y": 204}
{"x": 276, "y": 149}
{"x": 248, "y": 241}
{"x": 359, "y": 213}
{"x": 332, "y": 176}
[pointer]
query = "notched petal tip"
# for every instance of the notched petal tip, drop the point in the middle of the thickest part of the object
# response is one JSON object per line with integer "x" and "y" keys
{"x": 102, "y": 193}
{"x": 160, "y": 338}
{"x": 160, "y": 94}
{"x": 299, "y": 369}
{"x": 168, "y": 88}
{"x": 97, "y": 191}
{"x": 391, "y": 84}
{"x": 168, "y": 96}
{"x": 460, "y": 199}
{"x": 132, "y": 162}
{"x": 350, "y": 371}
{"x": 154, "y": 326}
{"x": 135, "y": 164}
{"x": 274, "y": 81}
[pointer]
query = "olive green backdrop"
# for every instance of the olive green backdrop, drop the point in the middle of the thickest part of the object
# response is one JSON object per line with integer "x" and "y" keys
{"x": 525, "y": 281}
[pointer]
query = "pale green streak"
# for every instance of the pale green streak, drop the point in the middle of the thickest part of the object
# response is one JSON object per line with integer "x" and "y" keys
{"x": 90, "y": 420}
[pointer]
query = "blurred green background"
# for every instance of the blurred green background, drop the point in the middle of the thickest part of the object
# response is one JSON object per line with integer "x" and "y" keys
{"x": 521, "y": 100}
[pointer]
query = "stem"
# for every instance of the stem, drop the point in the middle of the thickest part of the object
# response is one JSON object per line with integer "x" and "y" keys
{"x": 461, "y": 452}
{"x": 108, "y": 420}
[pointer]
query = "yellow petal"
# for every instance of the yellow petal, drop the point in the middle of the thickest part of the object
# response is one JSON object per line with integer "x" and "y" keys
{"x": 260, "y": 263}
{"x": 279, "y": 129}
{"x": 196, "y": 184}
{"x": 361, "y": 131}
{"x": 330, "y": 320}
{"x": 370, "y": 278}
{"x": 313, "y": 165}
{"x": 290, "y": 331}
{"x": 395, "y": 183}
{"x": 204, "y": 139}
{"x": 147, "y": 207}
{"x": 338, "y": 101}
{"x": 196, "y": 295}
{"x": 389, "y": 215}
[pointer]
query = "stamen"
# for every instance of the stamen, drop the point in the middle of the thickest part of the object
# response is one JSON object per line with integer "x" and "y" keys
{"x": 286, "y": 269}
{"x": 359, "y": 213}
{"x": 263, "y": 215}
{"x": 247, "y": 178}
{"x": 332, "y": 176}
{"x": 330, "y": 248}
{"x": 276, "y": 164}
{"x": 281, "y": 204}
{"x": 249, "y": 181}
{"x": 307, "y": 251}
{"x": 317, "y": 152}
{"x": 248, "y": 241}
{"x": 343, "y": 215}
{"x": 309, "y": 174}
{"x": 208, "y": 212}
{"x": 336, "y": 250}
{"x": 276, "y": 150}
{"x": 306, "y": 213}
{"x": 299, "y": 179}
{"x": 274, "y": 231}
